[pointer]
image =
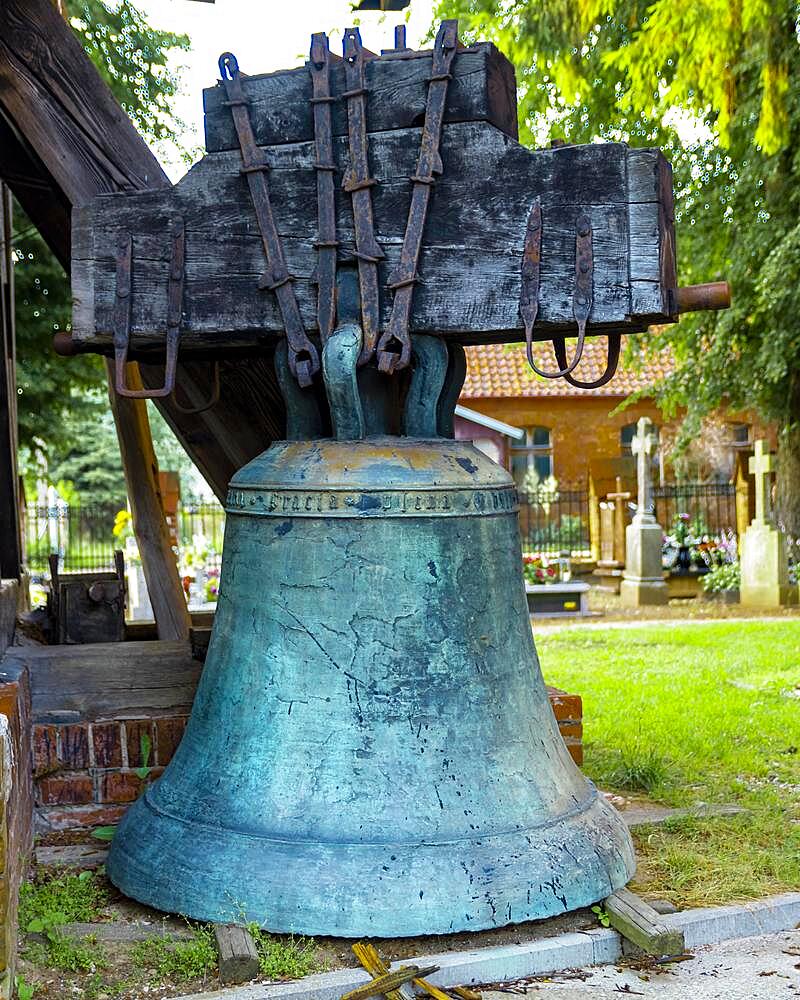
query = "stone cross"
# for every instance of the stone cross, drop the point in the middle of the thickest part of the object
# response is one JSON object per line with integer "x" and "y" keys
{"x": 643, "y": 445}
{"x": 619, "y": 499}
{"x": 760, "y": 466}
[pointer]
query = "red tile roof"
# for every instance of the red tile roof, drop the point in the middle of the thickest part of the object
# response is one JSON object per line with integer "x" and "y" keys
{"x": 497, "y": 370}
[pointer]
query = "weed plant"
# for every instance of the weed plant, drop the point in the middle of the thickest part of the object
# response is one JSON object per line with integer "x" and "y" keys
{"x": 178, "y": 961}
{"x": 284, "y": 958}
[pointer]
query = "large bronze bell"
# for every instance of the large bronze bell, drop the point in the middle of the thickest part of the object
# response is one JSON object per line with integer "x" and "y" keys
{"x": 371, "y": 750}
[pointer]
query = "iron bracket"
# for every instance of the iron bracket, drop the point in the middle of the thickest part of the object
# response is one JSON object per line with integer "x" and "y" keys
{"x": 357, "y": 182}
{"x": 122, "y": 314}
{"x": 327, "y": 244}
{"x": 394, "y": 347}
{"x": 303, "y": 355}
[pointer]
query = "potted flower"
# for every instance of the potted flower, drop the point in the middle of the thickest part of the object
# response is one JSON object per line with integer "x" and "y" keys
{"x": 539, "y": 570}
{"x": 722, "y": 582}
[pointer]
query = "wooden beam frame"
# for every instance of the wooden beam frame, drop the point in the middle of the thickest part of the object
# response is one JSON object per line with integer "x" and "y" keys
{"x": 10, "y": 525}
{"x": 78, "y": 148}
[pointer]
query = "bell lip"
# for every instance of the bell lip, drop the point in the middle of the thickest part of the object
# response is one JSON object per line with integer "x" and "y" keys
{"x": 372, "y": 464}
{"x": 375, "y": 890}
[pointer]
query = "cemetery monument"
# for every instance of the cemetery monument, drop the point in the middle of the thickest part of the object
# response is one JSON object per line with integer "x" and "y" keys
{"x": 643, "y": 579}
{"x": 765, "y": 570}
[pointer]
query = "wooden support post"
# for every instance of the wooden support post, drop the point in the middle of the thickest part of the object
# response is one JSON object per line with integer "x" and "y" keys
{"x": 149, "y": 524}
{"x": 637, "y": 921}
{"x": 238, "y": 956}
{"x": 10, "y": 533}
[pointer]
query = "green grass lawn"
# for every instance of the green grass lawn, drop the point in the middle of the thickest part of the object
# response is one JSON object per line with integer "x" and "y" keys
{"x": 697, "y": 714}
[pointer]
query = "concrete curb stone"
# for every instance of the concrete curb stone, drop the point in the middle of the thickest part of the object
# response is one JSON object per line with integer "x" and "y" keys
{"x": 702, "y": 926}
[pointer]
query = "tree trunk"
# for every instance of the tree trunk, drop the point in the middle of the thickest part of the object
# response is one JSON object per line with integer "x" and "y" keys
{"x": 788, "y": 491}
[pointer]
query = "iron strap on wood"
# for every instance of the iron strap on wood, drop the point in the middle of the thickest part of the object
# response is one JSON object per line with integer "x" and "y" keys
{"x": 357, "y": 182}
{"x": 122, "y": 314}
{"x": 581, "y": 300}
{"x": 531, "y": 261}
{"x": 326, "y": 245}
{"x": 303, "y": 356}
{"x": 394, "y": 347}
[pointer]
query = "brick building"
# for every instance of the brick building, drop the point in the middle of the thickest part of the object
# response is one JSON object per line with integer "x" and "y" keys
{"x": 557, "y": 429}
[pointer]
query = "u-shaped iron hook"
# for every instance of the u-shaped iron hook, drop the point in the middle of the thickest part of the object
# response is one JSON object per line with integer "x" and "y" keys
{"x": 581, "y": 297}
{"x": 122, "y": 315}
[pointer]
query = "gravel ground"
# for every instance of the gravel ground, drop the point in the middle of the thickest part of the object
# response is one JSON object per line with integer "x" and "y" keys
{"x": 757, "y": 968}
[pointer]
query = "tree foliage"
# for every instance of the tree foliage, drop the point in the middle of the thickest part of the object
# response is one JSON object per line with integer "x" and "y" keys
{"x": 62, "y": 402}
{"x": 716, "y": 84}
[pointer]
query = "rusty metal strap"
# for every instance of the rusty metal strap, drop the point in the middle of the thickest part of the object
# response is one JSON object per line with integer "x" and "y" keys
{"x": 303, "y": 356}
{"x": 394, "y": 347}
{"x": 327, "y": 244}
{"x": 357, "y": 182}
{"x": 122, "y": 314}
{"x": 531, "y": 262}
{"x": 582, "y": 296}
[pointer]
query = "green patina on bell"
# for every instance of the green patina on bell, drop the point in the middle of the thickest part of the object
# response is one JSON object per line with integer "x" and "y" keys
{"x": 371, "y": 750}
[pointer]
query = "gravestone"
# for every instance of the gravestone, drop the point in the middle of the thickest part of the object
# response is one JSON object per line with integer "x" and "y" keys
{"x": 611, "y": 564}
{"x": 765, "y": 571}
{"x": 643, "y": 579}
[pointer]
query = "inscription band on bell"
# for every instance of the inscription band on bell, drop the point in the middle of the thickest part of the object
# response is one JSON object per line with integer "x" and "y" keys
{"x": 371, "y": 503}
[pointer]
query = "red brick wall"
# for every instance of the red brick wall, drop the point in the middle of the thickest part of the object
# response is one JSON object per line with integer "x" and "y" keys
{"x": 568, "y": 710}
{"x": 16, "y": 810}
{"x": 584, "y": 428}
{"x": 85, "y": 773}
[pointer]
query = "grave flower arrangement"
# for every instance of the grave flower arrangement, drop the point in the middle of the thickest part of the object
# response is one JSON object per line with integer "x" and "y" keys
{"x": 538, "y": 569}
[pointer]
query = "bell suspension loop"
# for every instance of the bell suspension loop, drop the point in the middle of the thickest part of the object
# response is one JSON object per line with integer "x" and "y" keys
{"x": 581, "y": 299}
{"x": 122, "y": 314}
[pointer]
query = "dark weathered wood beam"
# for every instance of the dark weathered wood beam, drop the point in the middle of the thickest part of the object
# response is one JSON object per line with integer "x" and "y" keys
{"x": 10, "y": 532}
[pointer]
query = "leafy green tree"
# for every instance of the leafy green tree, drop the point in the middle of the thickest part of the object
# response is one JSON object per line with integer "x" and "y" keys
{"x": 62, "y": 402}
{"x": 716, "y": 84}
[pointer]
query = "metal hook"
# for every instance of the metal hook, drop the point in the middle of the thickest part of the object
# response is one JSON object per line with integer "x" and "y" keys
{"x": 122, "y": 315}
{"x": 228, "y": 66}
{"x": 581, "y": 298}
{"x": 614, "y": 343}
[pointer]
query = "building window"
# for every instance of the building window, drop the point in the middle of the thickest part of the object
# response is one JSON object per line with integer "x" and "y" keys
{"x": 532, "y": 456}
{"x": 626, "y": 436}
{"x": 740, "y": 437}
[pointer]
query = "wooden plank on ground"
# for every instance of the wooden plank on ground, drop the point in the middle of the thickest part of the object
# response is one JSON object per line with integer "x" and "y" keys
{"x": 108, "y": 680}
{"x": 238, "y": 955}
{"x": 639, "y": 923}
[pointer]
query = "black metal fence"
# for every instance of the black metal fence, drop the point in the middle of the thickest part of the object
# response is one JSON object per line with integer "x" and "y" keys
{"x": 84, "y": 539}
{"x": 551, "y": 521}
{"x": 711, "y": 507}
{"x": 555, "y": 521}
